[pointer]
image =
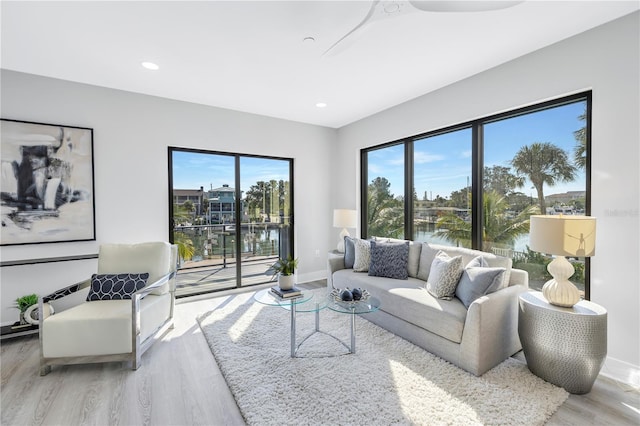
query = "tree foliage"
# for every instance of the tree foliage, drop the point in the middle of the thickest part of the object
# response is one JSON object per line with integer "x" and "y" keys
{"x": 499, "y": 226}
{"x": 385, "y": 213}
{"x": 580, "y": 150}
{"x": 501, "y": 180}
{"x": 544, "y": 164}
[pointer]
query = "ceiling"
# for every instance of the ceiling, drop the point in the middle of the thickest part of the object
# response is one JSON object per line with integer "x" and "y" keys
{"x": 252, "y": 57}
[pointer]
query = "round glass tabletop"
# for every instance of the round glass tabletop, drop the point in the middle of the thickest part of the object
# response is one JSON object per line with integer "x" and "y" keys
{"x": 372, "y": 304}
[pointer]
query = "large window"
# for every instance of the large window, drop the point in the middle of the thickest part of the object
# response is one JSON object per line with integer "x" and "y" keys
{"x": 476, "y": 184}
{"x": 231, "y": 216}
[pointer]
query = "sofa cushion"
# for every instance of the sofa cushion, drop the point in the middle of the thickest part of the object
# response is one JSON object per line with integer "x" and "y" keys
{"x": 363, "y": 255}
{"x": 427, "y": 254}
{"x": 444, "y": 275}
{"x": 476, "y": 281}
{"x": 389, "y": 260}
{"x": 411, "y": 302}
{"x": 115, "y": 286}
{"x": 349, "y": 252}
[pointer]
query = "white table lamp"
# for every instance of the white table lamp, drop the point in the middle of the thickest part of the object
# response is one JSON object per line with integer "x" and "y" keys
{"x": 343, "y": 218}
{"x": 573, "y": 236}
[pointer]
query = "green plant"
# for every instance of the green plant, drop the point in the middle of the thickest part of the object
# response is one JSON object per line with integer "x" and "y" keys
{"x": 24, "y": 302}
{"x": 284, "y": 266}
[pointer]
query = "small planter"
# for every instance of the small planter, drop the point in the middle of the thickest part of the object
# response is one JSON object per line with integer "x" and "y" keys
{"x": 286, "y": 282}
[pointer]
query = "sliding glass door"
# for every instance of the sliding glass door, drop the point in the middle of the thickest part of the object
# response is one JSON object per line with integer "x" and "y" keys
{"x": 231, "y": 217}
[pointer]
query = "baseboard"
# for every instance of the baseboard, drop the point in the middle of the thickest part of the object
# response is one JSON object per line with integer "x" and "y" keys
{"x": 621, "y": 371}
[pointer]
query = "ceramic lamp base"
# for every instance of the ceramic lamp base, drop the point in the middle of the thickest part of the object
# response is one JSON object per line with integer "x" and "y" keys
{"x": 559, "y": 291}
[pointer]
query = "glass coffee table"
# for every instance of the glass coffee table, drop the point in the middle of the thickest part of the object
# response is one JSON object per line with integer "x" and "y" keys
{"x": 266, "y": 297}
{"x": 369, "y": 305}
{"x": 313, "y": 301}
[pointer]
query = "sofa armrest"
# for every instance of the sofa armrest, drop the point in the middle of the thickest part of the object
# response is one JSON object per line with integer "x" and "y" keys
{"x": 491, "y": 329}
{"x": 334, "y": 263}
{"x": 519, "y": 277}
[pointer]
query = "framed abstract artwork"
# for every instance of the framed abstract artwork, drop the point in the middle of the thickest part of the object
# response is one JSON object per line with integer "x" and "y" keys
{"x": 47, "y": 189}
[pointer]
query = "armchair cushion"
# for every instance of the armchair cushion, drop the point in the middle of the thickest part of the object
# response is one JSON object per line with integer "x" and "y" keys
{"x": 115, "y": 286}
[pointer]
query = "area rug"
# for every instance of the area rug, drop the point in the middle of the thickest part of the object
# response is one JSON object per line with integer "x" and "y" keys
{"x": 388, "y": 381}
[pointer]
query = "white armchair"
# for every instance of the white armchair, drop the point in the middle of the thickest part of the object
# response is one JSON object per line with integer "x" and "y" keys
{"x": 111, "y": 328}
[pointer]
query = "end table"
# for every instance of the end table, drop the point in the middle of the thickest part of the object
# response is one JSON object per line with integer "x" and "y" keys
{"x": 564, "y": 346}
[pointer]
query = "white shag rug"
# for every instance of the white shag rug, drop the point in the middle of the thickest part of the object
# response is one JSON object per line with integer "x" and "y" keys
{"x": 387, "y": 381}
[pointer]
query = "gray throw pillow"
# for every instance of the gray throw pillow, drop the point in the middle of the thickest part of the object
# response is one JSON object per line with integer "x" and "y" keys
{"x": 477, "y": 282}
{"x": 389, "y": 260}
{"x": 413, "y": 264}
{"x": 349, "y": 252}
{"x": 115, "y": 286}
{"x": 427, "y": 254}
{"x": 444, "y": 276}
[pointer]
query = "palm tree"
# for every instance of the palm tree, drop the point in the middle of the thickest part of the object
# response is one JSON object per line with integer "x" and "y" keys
{"x": 580, "y": 153}
{"x": 498, "y": 227}
{"x": 543, "y": 163}
{"x": 384, "y": 212}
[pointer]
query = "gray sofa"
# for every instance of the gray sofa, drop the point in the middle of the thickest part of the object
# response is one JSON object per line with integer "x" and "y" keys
{"x": 475, "y": 339}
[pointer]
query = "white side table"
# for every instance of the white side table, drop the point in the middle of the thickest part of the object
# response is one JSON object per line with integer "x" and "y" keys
{"x": 564, "y": 346}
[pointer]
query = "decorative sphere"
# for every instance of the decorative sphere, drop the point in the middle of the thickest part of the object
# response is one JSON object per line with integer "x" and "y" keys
{"x": 356, "y": 293}
{"x": 346, "y": 295}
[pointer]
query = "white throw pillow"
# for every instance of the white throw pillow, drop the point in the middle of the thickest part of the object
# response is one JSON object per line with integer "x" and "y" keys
{"x": 363, "y": 255}
{"x": 444, "y": 275}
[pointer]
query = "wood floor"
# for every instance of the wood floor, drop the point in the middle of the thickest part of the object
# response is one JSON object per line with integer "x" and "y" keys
{"x": 179, "y": 383}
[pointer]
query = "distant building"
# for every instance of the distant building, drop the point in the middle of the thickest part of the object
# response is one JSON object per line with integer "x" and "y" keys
{"x": 180, "y": 196}
{"x": 565, "y": 198}
{"x": 222, "y": 204}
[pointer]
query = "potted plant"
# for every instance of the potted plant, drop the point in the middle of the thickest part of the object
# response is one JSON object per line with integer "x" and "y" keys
{"x": 284, "y": 269}
{"x": 23, "y": 303}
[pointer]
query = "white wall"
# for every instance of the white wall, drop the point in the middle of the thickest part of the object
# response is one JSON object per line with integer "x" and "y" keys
{"x": 605, "y": 60}
{"x": 131, "y": 136}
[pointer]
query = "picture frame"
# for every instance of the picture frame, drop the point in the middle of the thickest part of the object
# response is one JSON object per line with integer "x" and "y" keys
{"x": 47, "y": 190}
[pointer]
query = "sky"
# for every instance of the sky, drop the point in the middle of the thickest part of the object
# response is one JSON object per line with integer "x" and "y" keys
{"x": 443, "y": 163}
{"x": 191, "y": 170}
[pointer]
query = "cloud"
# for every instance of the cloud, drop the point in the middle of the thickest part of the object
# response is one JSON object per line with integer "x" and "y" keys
{"x": 423, "y": 157}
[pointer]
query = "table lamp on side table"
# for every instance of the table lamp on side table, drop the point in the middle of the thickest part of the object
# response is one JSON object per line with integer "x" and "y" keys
{"x": 343, "y": 218}
{"x": 562, "y": 235}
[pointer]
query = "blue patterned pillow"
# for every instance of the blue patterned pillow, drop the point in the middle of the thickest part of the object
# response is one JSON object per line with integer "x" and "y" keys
{"x": 389, "y": 260}
{"x": 115, "y": 286}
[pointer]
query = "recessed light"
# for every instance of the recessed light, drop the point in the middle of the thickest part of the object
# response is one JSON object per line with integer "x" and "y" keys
{"x": 321, "y": 105}
{"x": 150, "y": 66}
{"x": 308, "y": 40}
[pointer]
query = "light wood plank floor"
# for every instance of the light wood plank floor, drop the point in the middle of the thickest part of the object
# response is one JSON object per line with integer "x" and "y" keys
{"x": 179, "y": 383}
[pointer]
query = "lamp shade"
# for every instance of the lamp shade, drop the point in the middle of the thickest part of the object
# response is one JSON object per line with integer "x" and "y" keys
{"x": 343, "y": 218}
{"x": 563, "y": 235}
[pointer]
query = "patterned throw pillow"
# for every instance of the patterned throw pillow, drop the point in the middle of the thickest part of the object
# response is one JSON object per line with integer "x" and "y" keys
{"x": 444, "y": 276}
{"x": 115, "y": 286}
{"x": 389, "y": 260}
{"x": 363, "y": 255}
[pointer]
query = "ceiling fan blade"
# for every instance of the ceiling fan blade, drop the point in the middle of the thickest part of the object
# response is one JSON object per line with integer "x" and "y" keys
{"x": 461, "y": 6}
{"x": 349, "y": 38}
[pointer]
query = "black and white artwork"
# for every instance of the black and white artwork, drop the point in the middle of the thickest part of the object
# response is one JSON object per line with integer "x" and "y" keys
{"x": 47, "y": 191}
